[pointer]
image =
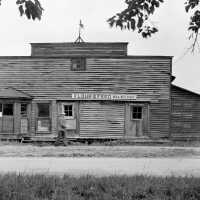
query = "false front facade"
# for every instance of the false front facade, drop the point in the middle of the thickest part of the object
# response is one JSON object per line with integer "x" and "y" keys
{"x": 95, "y": 88}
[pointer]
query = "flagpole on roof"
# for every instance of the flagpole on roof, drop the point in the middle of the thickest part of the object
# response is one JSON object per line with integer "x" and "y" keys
{"x": 80, "y": 39}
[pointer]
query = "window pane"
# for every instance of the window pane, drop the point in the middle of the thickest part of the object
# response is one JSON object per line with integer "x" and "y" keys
{"x": 135, "y": 109}
{"x": 134, "y": 115}
{"x": 139, "y": 115}
{"x": 68, "y": 110}
{"x": 43, "y": 110}
{"x": 8, "y": 109}
{"x": 139, "y": 110}
{"x": 78, "y": 64}
{"x": 70, "y": 113}
{"x": 24, "y": 109}
{"x": 136, "y": 112}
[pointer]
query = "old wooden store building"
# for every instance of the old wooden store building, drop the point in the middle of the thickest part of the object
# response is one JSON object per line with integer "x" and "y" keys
{"x": 97, "y": 91}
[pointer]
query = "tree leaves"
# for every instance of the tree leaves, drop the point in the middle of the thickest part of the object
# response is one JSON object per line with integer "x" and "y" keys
{"x": 194, "y": 25}
{"x": 136, "y": 16}
{"x": 32, "y": 9}
{"x": 191, "y": 4}
{"x": 195, "y": 22}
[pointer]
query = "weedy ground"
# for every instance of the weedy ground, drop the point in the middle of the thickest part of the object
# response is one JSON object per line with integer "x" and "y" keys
{"x": 41, "y": 187}
{"x": 96, "y": 150}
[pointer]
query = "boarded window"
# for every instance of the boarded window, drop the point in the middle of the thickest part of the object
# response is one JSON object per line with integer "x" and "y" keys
{"x": 136, "y": 112}
{"x": 78, "y": 64}
{"x": 8, "y": 109}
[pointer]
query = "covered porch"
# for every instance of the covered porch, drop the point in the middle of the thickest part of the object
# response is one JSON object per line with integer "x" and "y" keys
{"x": 15, "y": 110}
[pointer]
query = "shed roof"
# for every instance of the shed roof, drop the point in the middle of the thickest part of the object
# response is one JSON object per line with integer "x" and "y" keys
{"x": 12, "y": 93}
{"x": 185, "y": 90}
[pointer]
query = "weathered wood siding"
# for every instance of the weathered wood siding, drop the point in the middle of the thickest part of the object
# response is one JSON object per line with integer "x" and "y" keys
{"x": 52, "y": 79}
{"x": 99, "y": 119}
{"x": 79, "y": 49}
{"x": 185, "y": 113}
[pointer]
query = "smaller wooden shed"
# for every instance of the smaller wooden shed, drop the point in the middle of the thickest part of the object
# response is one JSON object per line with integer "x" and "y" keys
{"x": 185, "y": 115}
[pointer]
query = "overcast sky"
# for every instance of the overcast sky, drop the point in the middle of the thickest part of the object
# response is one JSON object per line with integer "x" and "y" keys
{"x": 60, "y": 24}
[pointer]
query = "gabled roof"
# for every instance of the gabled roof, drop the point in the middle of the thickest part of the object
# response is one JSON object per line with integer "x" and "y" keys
{"x": 12, "y": 93}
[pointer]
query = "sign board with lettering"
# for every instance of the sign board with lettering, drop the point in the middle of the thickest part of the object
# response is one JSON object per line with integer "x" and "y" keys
{"x": 103, "y": 96}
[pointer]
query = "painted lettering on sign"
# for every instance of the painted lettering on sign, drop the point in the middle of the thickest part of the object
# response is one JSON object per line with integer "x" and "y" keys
{"x": 102, "y": 96}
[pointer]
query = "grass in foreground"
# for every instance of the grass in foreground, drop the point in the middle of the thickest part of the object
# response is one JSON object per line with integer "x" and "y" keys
{"x": 41, "y": 187}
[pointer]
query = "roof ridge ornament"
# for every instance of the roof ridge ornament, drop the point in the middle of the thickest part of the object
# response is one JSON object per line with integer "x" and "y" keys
{"x": 80, "y": 39}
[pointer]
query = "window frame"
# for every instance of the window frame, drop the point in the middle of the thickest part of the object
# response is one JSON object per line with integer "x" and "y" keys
{"x": 131, "y": 112}
{"x": 63, "y": 110}
{"x": 81, "y": 61}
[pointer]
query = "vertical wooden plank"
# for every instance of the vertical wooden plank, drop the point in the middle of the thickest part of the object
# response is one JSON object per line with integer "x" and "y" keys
{"x": 54, "y": 116}
{"x": 33, "y": 118}
{"x": 125, "y": 111}
{"x": 145, "y": 120}
{"x": 139, "y": 128}
{"x": 77, "y": 110}
{"x": 29, "y": 110}
{"x": 17, "y": 117}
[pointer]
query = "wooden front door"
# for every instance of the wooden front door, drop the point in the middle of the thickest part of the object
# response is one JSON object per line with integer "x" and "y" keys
{"x": 137, "y": 120}
{"x": 6, "y": 117}
{"x": 67, "y": 118}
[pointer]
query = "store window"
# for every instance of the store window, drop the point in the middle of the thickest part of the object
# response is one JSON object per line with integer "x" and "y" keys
{"x": 6, "y": 109}
{"x": 136, "y": 112}
{"x": 43, "y": 121}
{"x": 78, "y": 64}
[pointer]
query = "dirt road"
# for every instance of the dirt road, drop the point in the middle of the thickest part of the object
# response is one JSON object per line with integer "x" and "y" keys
{"x": 99, "y": 151}
{"x": 102, "y": 166}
